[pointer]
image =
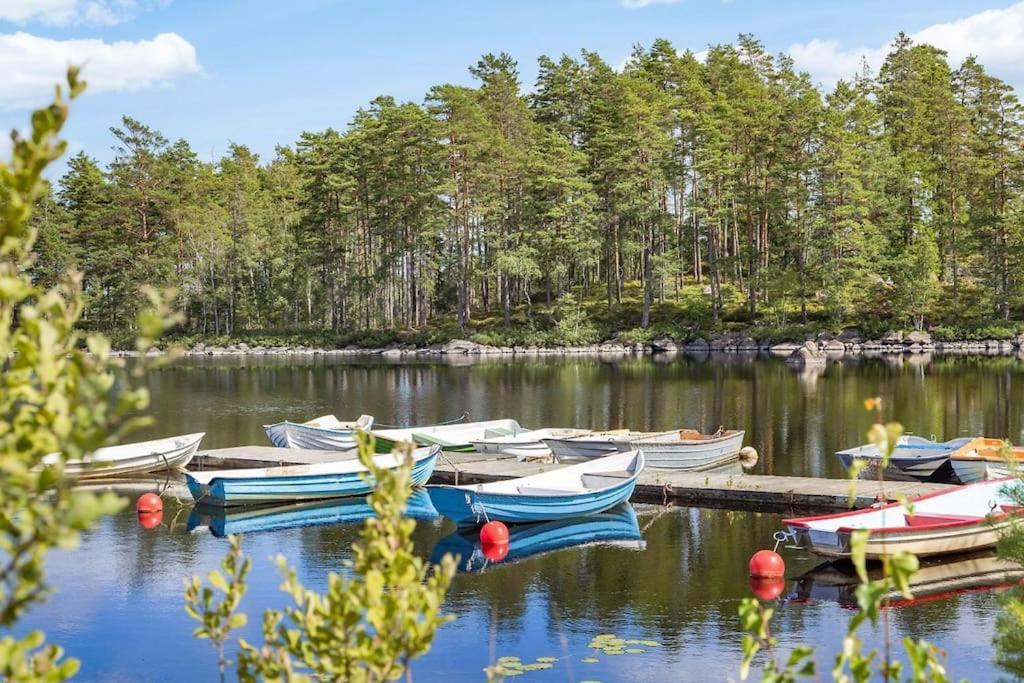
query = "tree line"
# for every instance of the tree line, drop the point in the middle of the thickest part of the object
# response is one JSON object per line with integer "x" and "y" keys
{"x": 727, "y": 188}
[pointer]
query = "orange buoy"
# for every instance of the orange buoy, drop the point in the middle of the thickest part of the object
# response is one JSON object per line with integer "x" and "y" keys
{"x": 767, "y": 588}
{"x": 494, "y": 533}
{"x": 149, "y": 502}
{"x": 767, "y": 564}
{"x": 151, "y": 520}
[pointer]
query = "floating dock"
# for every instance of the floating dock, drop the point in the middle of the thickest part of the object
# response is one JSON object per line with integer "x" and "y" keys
{"x": 732, "y": 489}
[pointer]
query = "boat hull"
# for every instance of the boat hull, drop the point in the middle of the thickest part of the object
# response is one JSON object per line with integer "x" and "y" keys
{"x": 177, "y": 454}
{"x": 275, "y": 489}
{"x": 661, "y": 452}
{"x": 468, "y": 508}
{"x": 581, "y": 450}
{"x": 294, "y": 435}
{"x": 923, "y": 543}
{"x": 970, "y": 471}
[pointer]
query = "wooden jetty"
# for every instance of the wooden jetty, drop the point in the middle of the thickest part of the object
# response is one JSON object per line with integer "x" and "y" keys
{"x": 733, "y": 490}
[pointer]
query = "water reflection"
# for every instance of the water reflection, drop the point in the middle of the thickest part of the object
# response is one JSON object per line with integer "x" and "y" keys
{"x": 616, "y": 526}
{"x": 248, "y": 519}
{"x": 936, "y": 579}
{"x": 119, "y": 605}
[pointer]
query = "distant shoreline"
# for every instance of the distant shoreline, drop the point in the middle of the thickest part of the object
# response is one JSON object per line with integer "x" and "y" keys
{"x": 806, "y": 353}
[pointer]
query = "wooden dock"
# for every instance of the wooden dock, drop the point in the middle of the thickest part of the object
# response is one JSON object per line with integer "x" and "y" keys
{"x": 733, "y": 490}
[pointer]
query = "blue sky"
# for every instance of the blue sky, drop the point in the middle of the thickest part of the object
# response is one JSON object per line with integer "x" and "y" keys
{"x": 259, "y": 73}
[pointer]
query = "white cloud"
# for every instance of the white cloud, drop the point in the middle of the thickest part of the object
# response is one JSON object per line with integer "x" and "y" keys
{"x": 637, "y": 4}
{"x": 995, "y": 36}
{"x": 64, "y": 12}
{"x": 32, "y": 65}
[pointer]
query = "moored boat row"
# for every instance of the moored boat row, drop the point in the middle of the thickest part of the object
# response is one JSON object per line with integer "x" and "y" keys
{"x": 679, "y": 449}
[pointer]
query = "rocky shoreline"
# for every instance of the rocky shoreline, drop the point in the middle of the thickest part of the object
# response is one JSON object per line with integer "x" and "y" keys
{"x": 812, "y": 351}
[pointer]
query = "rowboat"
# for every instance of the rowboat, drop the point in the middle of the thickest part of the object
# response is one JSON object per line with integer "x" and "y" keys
{"x": 525, "y": 444}
{"x": 574, "y": 491}
{"x": 680, "y": 449}
{"x": 913, "y": 458}
{"x": 983, "y": 459}
{"x": 615, "y": 527}
{"x": 224, "y": 521}
{"x": 451, "y": 437}
{"x": 168, "y": 454}
{"x": 324, "y": 433}
{"x": 962, "y": 519}
{"x": 335, "y": 479}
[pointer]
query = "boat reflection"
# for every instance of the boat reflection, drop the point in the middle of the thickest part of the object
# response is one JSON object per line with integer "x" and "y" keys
{"x": 617, "y": 526}
{"x": 935, "y": 579}
{"x": 237, "y": 520}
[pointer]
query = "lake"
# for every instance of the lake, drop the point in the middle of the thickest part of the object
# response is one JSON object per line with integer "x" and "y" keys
{"x": 119, "y": 605}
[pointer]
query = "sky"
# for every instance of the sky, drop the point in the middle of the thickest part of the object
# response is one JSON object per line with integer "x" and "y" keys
{"x": 259, "y": 73}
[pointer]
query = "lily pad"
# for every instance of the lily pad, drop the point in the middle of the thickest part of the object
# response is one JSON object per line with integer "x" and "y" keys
{"x": 635, "y": 651}
{"x": 649, "y": 643}
{"x": 547, "y": 659}
{"x": 507, "y": 660}
{"x": 590, "y": 660}
{"x": 539, "y": 666}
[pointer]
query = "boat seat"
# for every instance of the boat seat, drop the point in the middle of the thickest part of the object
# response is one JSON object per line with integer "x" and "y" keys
{"x": 598, "y": 480}
{"x": 545, "y": 491}
{"x": 930, "y": 520}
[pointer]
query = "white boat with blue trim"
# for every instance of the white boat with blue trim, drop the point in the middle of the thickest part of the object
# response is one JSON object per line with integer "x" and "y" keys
{"x": 577, "y": 490}
{"x": 335, "y": 479}
{"x": 325, "y": 433}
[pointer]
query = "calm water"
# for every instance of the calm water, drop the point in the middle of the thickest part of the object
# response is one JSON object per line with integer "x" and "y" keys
{"x": 119, "y": 607}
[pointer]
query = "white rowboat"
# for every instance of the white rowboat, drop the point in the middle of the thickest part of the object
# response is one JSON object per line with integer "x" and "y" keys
{"x": 962, "y": 519}
{"x": 681, "y": 449}
{"x": 172, "y": 453}
{"x": 326, "y": 433}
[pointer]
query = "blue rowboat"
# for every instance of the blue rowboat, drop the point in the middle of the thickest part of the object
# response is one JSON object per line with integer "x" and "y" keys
{"x": 575, "y": 491}
{"x": 222, "y": 521}
{"x": 617, "y": 526}
{"x": 326, "y": 433}
{"x": 292, "y": 483}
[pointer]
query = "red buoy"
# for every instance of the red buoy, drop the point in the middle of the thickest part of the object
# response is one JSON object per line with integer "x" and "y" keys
{"x": 149, "y": 502}
{"x": 767, "y": 564}
{"x": 494, "y": 533}
{"x": 151, "y": 520}
{"x": 767, "y": 588}
{"x": 494, "y": 552}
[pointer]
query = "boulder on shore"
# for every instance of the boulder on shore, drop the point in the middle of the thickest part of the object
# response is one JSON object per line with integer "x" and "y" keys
{"x": 808, "y": 354}
{"x": 918, "y": 337}
{"x": 665, "y": 345}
